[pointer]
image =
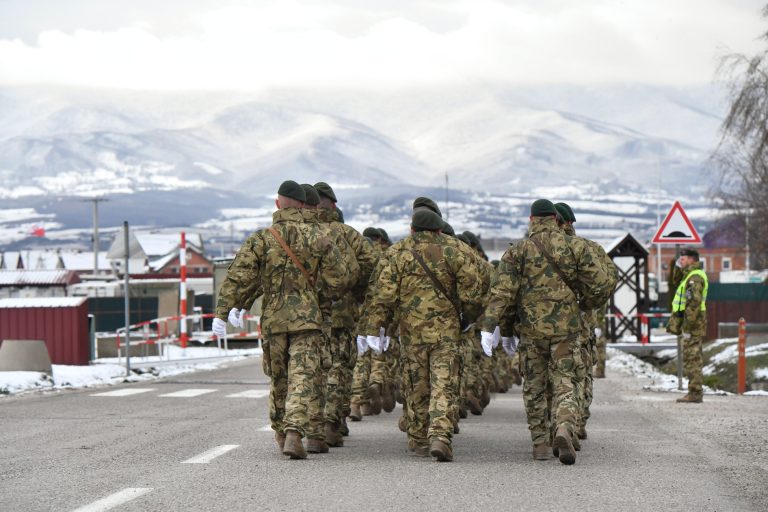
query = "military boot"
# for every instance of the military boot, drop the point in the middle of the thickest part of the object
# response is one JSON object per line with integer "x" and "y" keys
{"x": 333, "y": 436}
{"x": 294, "y": 448}
{"x": 691, "y": 399}
{"x": 343, "y": 428}
{"x": 581, "y": 433}
{"x": 374, "y": 391}
{"x": 402, "y": 424}
{"x": 474, "y": 404}
{"x": 462, "y": 410}
{"x": 317, "y": 446}
{"x": 456, "y": 428}
{"x": 280, "y": 438}
{"x": 541, "y": 451}
{"x": 599, "y": 372}
{"x": 516, "y": 377}
{"x": 365, "y": 409}
{"x": 388, "y": 398}
{"x": 564, "y": 446}
{"x": 419, "y": 449}
{"x": 486, "y": 398}
{"x": 355, "y": 414}
{"x": 441, "y": 451}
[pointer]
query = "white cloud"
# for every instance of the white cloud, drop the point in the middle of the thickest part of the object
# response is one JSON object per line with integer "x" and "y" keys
{"x": 348, "y": 44}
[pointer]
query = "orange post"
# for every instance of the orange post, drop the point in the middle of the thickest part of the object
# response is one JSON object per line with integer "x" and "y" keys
{"x": 742, "y": 364}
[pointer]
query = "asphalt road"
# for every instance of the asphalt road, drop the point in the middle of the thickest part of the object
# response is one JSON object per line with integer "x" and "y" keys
{"x": 72, "y": 449}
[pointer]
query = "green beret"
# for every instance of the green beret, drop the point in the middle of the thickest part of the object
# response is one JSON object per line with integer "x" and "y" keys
{"x": 384, "y": 235}
{"x": 689, "y": 251}
{"x": 341, "y": 215}
{"x": 542, "y": 208}
{"x": 565, "y": 212}
{"x": 474, "y": 241}
{"x": 293, "y": 190}
{"x": 425, "y": 202}
{"x": 562, "y": 213}
{"x": 495, "y": 263}
{"x": 372, "y": 233}
{"x": 325, "y": 190}
{"x": 463, "y": 238}
{"x": 426, "y": 219}
{"x": 448, "y": 229}
{"x": 313, "y": 198}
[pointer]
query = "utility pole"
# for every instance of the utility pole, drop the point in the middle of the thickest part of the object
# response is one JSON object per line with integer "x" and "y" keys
{"x": 96, "y": 201}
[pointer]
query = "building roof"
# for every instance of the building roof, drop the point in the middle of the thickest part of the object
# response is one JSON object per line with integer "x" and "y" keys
{"x": 626, "y": 245}
{"x": 43, "y": 302}
{"x": 21, "y": 278}
{"x": 83, "y": 261}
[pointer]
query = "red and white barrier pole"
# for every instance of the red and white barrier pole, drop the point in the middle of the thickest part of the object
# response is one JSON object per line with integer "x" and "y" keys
{"x": 184, "y": 337}
{"x": 741, "y": 369}
{"x": 644, "y": 329}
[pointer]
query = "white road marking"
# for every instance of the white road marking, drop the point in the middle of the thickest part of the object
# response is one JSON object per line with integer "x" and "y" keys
{"x": 266, "y": 428}
{"x": 251, "y": 393}
{"x": 115, "y": 500}
{"x": 206, "y": 457}
{"x": 125, "y": 392}
{"x": 188, "y": 393}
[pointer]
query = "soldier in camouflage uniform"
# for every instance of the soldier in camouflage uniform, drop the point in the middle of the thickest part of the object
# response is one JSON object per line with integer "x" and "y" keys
{"x": 429, "y": 326}
{"x": 593, "y": 319}
{"x": 344, "y": 316}
{"x": 292, "y": 320}
{"x": 689, "y": 319}
{"x": 546, "y": 306}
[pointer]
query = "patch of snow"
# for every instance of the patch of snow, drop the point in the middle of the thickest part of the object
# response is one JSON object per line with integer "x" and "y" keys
{"x": 760, "y": 373}
{"x": 759, "y": 392}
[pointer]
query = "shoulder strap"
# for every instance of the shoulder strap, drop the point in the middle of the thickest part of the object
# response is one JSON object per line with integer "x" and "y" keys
{"x": 436, "y": 282}
{"x": 552, "y": 263}
{"x": 291, "y": 255}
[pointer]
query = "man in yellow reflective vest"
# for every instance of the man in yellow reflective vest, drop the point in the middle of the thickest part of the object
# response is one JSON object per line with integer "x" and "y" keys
{"x": 689, "y": 319}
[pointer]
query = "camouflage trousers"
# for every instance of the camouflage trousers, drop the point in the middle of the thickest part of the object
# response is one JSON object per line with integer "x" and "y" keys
{"x": 384, "y": 365}
{"x": 361, "y": 377}
{"x": 338, "y": 384}
{"x": 692, "y": 364}
{"x": 600, "y": 346}
{"x": 471, "y": 378}
{"x": 583, "y": 382}
{"x": 294, "y": 365}
{"x": 432, "y": 381}
{"x": 549, "y": 368}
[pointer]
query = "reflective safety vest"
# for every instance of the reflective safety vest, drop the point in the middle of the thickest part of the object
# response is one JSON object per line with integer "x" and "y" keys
{"x": 678, "y": 304}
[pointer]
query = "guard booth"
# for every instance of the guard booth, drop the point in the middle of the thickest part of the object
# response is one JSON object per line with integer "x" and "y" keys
{"x": 631, "y": 296}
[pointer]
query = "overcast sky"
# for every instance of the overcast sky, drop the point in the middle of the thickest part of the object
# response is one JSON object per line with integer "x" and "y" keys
{"x": 371, "y": 44}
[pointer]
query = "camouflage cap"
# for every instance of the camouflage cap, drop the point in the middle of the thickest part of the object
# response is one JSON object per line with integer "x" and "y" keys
{"x": 542, "y": 208}
{"x": 313, "y": 198}
{"x": 565, "y": 212}
{"x": 425, "y": 202}
{"x": 426, "y": 219}
{"x": 293, "y": 190}
{"x": 325, "y": 190}
{"x": 372, "y": 233}
{"x": 448, "y": 229}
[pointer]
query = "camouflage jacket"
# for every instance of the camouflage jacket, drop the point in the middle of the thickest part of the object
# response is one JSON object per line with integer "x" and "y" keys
{"x": 404, "y": 289}
{"x": 694, "y": 319}
{"x": 345, "y": 310}
{"x": 290, "y": 303}
{"x": 529, "y": 288}
{"x": 595, "y": 317}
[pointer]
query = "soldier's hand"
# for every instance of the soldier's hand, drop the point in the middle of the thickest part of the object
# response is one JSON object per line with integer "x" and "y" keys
{"x": 219, "y": 327}
{"x": 243, "y": 312}
{"x": 235, "y": 318}
{"x": 385, "y": 344}
{"x": 598, "y": 332}
{"x": 486, "y": 341}
{"x": 362, "y": 345}
{"x": 686, "y": 335}
{"x": 509, "y": 345}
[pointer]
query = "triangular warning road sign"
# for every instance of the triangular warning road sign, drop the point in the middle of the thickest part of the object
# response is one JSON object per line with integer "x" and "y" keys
{"x": 676, "y": 228}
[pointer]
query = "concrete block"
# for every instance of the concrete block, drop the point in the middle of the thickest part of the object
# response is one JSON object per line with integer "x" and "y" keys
{"x": 25, "y": 356}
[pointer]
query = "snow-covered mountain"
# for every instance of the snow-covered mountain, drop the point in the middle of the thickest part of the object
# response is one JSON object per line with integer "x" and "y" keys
{"x": 195, "y": 159}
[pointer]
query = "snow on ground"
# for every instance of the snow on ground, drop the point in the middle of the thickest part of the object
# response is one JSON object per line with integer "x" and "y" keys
{"x": 731, "y": 354}
{"x": 654, "y": 379}
{"x": 107, "y": 371}
{"x": 761, "y": 373}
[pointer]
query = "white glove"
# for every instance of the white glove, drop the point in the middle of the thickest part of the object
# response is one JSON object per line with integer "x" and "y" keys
{"x": 236, "y": 317}
{"x": 375, "y": 343}
{"x": 385, "y": 344}
{"x": 486, "y": 341}
{"x": 362, "y": 346}
{"x": 509, "y": 345}
{"x": 598, "y": 332}
{"x": 686, "y": 335}
{"x": 243, "y": 312}
{"x": 496, "y": 336}
{"x": 220, "y": 327}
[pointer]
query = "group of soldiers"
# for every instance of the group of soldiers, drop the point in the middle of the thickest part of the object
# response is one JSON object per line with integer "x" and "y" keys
{"x": 353, "y": 323}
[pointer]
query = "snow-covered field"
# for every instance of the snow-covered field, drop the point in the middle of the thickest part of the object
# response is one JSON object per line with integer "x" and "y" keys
{"x": 108, "y": 372}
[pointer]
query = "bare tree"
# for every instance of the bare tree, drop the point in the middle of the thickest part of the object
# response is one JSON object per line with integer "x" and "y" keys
{"x": 741, "y": 153}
